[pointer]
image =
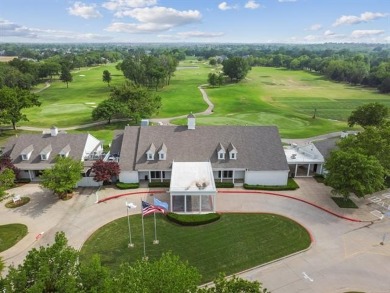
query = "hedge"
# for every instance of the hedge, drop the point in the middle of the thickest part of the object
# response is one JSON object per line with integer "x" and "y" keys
{"x": 159, "y": 184}
{"x": 193, "y": 220}
{"x": 224, "y": 184}
{"x": 121, "y": 185}
{"x": 291, "y": 185}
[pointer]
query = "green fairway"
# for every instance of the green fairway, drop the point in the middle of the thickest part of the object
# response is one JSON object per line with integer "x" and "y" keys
{"x": 235, "y": 243}
{"x": 63, "y": 106}
{"x": 11, "y": 234}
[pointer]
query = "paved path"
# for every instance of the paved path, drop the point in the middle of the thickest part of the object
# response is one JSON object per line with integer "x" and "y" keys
{"x": 344, "y": 255}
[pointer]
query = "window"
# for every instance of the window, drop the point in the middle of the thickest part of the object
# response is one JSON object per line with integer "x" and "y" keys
{"x": 43, "y": 157}
{"x": 161, "y": 156}
{"x": 150, "y": 156}
{"x": 221, "y": 156}
{"x": 24, "y": 157}
{"x": 232, "y": 156}
{"x": 226, "y": 174}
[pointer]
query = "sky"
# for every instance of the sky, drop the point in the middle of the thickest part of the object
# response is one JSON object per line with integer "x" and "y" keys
{"x": 195, "y": 21}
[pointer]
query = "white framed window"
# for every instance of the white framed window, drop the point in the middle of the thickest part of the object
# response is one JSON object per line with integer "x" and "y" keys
{"x": 150, "y": 156}
{"x": 221, "y": 156}
{"x": 233, "y": 155}
{"x": 161, "y": 156}
{"x": 24, "y": 157}
{"x": 43, "y": 157}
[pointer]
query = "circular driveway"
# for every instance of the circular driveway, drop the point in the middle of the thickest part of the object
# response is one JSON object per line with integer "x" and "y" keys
{"x": 344, "y": 256}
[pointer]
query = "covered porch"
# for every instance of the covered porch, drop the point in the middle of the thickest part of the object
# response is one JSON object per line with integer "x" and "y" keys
{"x": 304, "y": 161}
{"x": 192, "y": 188}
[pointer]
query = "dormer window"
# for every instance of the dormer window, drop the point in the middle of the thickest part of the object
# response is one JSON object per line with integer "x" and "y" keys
{"x": 26, "y": 153}
{"x": 162, "y": 153}
{"x": 221, "y": 152}
{"x": 45, "y": 153}
{"x": 65, "y": 152}
{"x": 232, "y": 152}
{"x": 150, "y": 152}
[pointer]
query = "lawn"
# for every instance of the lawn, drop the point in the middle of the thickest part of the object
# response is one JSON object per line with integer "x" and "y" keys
{"x": 235, "y": 243}
{"x": 11, "y": 234}
{"x": 62, "y": 106}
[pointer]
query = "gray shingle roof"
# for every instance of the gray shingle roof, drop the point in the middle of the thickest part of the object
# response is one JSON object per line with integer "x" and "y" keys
{"x": 258, "y": 147}
{"x": 40, "y": 143}
{"x": 326, "y": 146}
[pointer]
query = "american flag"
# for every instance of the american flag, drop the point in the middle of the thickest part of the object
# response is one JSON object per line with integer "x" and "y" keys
{"x": 148, "y": 208}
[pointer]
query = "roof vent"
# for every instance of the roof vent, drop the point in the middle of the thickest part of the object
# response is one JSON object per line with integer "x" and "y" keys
{"x": 191, "y": 121}
{"x": 53, "y": 131}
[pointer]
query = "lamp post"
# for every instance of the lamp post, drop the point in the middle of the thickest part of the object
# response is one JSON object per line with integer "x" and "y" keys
{"x": 129, "y": 206}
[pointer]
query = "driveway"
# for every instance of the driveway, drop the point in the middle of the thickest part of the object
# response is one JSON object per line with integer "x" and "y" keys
{"x": 344, "y": 255}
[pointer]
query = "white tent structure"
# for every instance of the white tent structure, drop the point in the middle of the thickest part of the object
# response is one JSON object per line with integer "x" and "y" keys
{"x": 192, "y": 188}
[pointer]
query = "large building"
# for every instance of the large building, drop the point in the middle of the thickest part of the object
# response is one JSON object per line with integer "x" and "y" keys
{"x": 194, "y": 157}
{"x": 33, "y": 153}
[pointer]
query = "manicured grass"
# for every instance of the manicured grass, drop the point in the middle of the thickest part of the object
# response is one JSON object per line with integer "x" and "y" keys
{"x": 11, "y": 234}
{"x": 234, "y": 243}
{"x": 63, "y": 106}
{"x": 345, "y": 203}
{"x": 11, "y": 204}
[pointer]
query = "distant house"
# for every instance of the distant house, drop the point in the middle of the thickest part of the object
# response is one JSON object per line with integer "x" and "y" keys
{"x": 33, "y": 153}
{"x": 192, "y": 158}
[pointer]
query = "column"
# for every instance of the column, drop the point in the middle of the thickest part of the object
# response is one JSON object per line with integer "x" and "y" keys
{"x": 308, "y": 171}
{"x": 296, "y": 170}
{"x": 185, "y": 203}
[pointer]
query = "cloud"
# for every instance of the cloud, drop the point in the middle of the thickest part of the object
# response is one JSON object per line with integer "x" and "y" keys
{"x": 154, "y": 19}
{"x": 358, "y": 34}
{"x": 10, "y": 29}
{"x": 287, "y": 1}
{"x": 191, "y": 35}
{"x": 329, "y": 33}
{"x": 225, "y": 6}
{"x": 84, "y": 10}
{"x": 125, "y": 4}
{"x": 315, "y": 27}
{"x": 364, "y": 17}
{"x": 251, "y": 4}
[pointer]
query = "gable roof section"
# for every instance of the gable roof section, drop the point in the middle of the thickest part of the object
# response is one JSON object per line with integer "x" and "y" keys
{"x": 326, "y": 146}
{"x": 260, "y": 147}
{"x": 40, "y": 143}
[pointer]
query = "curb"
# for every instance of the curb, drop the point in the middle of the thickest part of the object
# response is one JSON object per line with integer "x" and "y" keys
{"x": 152, "y": 192}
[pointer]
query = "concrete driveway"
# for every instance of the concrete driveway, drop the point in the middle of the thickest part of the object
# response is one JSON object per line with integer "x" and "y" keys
{"x": 344, "y": 256}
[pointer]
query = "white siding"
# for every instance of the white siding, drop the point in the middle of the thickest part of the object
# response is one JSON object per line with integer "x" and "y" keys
{"x": 90, "y": 145}
{"x": 129, "y": 177}
{"x": 266, "y": 177}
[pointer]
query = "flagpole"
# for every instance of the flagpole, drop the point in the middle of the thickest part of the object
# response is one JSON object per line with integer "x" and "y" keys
{"x": 143, "y": 235}
{"x": 155, "y": 241}
{"x": 131, "y": 245}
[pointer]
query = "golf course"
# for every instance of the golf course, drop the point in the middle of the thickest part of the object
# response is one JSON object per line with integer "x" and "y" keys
{"x": 268, "y": 96}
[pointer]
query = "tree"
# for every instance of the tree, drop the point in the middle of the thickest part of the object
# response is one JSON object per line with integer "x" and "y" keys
{"x": 107, "y": 110}
{"x": 66, "y": 76}
{"x": 6, "y": 163}
{"x": 7, "y": 178}
{"x": 236, "y": 68}
{"x": 166, "y": 275}
{"x": 107, "y": 77}
{"x": 13, "y": 101}
{"x": 63, "y": 176}
{"x": 213, "y": 62}
{"x": 212, "y": 79}
{"x": 137, "y": 100}
{"x": 47, "y": 269}
{"x": 350, "y": 171}
{"x": 233, "y": 284}
{"x": 104, "y": 171}
{"x": 372, "y": 114}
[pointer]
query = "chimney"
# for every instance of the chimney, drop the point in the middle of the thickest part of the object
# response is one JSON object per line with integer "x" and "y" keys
{"x": 191, "y": 121}
{"x": 53, "y": 131}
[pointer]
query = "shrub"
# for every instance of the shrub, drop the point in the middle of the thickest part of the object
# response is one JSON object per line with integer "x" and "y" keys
{"x": 122, "y": 185}
{"x": 159, "y": 184}
{"x": 291, "y": 185}
{"x": 22, "y": 180}
{"x": 193, "y": 220}
{"x": 1, "y": 265}
{"x": 224, "y": 184}
{"x": 319, "y": 178}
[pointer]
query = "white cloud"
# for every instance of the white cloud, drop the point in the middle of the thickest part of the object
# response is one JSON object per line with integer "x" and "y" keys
{"x": 358, "y": 34}
{"x": 364, "y": 17}
{"x": 226, "y": 6}
{"x": 287, "y": 1}
{"x": 198, "y": 34}
{"x": 154, "y": 19}
{"x": 329, "y": 33}
{"x": 251, "y": 4}
{"x": 315, "y": 27}
{"x": 124, "y": 4}
{"x": 10, "y": 29}
{"x": 84, "y": 10}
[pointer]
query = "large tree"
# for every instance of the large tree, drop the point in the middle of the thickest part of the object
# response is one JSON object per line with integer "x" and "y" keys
{"x": 107, "y": 110}
{"x": 107, "y": 77}
{"x": 13, "y": 101}
{"x": 137, "y": 100}
{"x": 66, "y": 76}
{"x": 236, "y": 68}
{"x": 63, "y": 176}
{"x": 353, "y": 172}
{"x": 105, "y": 171}
{"x": 372, "y": 114}
{"x": 223, "y": 284}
